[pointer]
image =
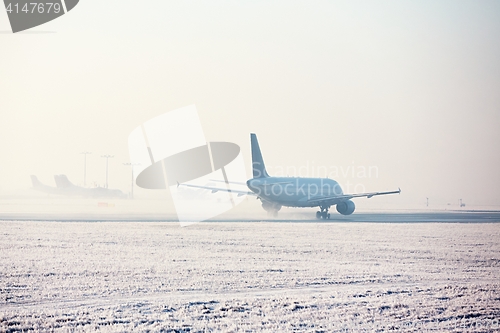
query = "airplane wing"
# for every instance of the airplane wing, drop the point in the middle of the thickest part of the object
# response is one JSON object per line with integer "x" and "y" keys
{"x": 335, "y": 198}
{"x": 245, "y": 184}
{"x": 217, "y": 189}
{"x": 229, "y": 182}
{"x": 239, "y": 192}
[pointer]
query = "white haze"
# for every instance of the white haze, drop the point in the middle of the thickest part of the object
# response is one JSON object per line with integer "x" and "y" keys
{"x": 410, "y": 88}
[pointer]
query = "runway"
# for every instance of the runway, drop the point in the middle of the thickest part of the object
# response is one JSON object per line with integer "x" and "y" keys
{"x": 411, "y": 217}
{"x": 462, "y": 216}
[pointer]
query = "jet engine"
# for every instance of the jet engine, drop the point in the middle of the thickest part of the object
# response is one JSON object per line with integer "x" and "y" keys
{"x": 346, "y": 207}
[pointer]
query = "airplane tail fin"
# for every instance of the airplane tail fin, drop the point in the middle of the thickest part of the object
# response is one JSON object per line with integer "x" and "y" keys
{"x": 35, "y": 182}
{"x": 62, "y": 181}
{"x": 258, "y": 167}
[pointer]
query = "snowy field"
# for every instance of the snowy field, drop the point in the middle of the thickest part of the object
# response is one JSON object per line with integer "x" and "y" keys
{"x": 244, "y": 277}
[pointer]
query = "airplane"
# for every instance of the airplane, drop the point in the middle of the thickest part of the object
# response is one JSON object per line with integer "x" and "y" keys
{"x": 276, "y": 192}
{"x": 37, "y": 185}
{"x": 65, "y": 187}
{"x": 63, "y": 183}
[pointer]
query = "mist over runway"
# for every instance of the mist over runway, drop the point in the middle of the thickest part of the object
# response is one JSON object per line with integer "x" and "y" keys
{"x": 285, "y": 217}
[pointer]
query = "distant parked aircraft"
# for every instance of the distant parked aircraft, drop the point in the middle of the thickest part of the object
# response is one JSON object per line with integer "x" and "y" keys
{"x": 275, "y": 192}
{"x": 65, "y": 187}
{"x": 37, "y": 185}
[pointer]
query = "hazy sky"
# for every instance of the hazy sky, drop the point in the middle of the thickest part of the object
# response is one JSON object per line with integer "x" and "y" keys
{"x": 412, "y": 88}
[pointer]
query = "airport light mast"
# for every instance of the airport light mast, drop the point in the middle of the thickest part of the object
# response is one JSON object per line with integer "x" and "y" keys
{"x": 132, "y": 184}
{"x": 85, "y": 167}
{"x": 107, "y": 157}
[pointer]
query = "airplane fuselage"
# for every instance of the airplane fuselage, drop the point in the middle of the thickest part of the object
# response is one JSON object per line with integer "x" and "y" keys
{"x": 294, "y": 191}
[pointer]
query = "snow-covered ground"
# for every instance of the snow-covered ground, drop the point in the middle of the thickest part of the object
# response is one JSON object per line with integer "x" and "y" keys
{"x": 238, "y": 277}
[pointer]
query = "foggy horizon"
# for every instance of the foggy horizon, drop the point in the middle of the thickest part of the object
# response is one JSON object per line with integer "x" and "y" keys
{"x": 408, "y": 89}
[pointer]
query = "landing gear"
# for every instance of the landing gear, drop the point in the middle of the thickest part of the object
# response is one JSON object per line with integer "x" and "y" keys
{"x": 323, "y": 213}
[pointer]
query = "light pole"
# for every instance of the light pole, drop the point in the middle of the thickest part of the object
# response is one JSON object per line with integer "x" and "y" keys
{"x": 107, "y": 157}
{"x": 85, "y": 167}
{"x": 132, "y": 184}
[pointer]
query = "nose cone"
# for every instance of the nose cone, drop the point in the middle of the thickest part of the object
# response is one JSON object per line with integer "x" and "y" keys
{"x": 337, "y": 190}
